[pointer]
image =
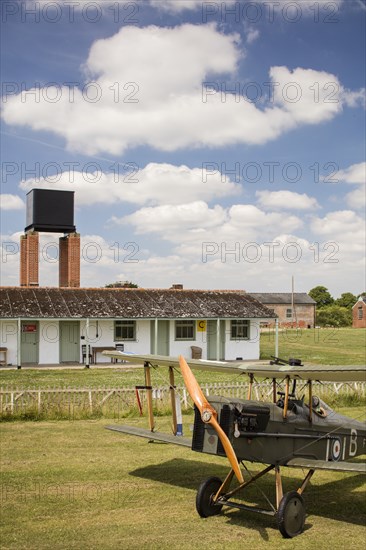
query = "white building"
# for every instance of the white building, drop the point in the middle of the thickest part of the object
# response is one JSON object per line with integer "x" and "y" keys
{"x": 54, "y": 325}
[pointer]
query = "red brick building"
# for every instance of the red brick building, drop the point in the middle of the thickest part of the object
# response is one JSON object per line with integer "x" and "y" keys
{"x": 296, "y": 311}
{"x": 359, "y": 313}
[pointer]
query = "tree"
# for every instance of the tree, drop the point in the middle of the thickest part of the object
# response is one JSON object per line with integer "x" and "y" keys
{"x": 334, "y": 316}
{"x": 121, "y": 284}
{"x": 347, "y": 299}
{"x": 322, "y": 296}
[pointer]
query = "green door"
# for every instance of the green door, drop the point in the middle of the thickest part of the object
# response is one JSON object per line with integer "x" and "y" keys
{"x": 29, "y": 342}
{"x": 212, "y": 341}
{"x": 163, "y": 337}
{"x": 69, "y": 342}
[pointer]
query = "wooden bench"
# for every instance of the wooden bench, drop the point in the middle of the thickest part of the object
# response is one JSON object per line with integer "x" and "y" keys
{"x": 3, "y": 356}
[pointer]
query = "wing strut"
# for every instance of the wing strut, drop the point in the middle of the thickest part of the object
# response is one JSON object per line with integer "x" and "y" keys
{"x": 172, "y": 400}
{"x": 147, "y": 369}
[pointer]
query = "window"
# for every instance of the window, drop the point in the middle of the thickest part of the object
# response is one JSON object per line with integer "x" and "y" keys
{"x": 125, "y": 330}
{"x": 360, "y": 313}
{"x": 239, "y": 330}
{"x": 289, "y": 313}
{"x": 185, "y": 330}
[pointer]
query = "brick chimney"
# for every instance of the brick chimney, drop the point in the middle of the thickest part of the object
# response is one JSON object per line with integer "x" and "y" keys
{"x": 29, "y": 259}
{"x": 69, "y": 264}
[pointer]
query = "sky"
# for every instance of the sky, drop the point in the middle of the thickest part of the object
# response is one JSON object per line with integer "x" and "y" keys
{"x": 219, "y": 145}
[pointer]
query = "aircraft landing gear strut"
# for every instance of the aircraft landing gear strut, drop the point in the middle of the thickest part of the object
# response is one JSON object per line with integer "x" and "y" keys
{"x": 290, "y": 513}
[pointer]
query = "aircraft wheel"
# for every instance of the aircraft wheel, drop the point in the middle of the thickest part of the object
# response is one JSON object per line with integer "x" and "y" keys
{"x": 291, "y": 515}
{"x": 205, "y": 493}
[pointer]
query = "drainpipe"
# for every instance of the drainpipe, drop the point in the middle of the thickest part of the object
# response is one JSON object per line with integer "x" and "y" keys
{"x": 218, "y": 340}
{"x": 276, "y": 339}
{"x": 87, "y": 343}
{"x": 19, "y": 344}
{"x": 156, "y": 337}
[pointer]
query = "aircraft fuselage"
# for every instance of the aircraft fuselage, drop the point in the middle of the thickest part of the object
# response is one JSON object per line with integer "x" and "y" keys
{"x": 259, "y": 432}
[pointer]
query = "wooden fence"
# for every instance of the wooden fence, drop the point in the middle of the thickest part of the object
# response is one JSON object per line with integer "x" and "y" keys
{"x": 72, "y": 402}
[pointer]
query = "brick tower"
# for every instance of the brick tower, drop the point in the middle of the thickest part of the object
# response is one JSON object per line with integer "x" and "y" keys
{"x": 50, "y": 211}
{"x": 29, "y": 259}
{"x": 69, "y": 264}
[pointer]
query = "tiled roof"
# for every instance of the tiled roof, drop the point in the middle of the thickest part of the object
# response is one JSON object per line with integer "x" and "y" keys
{"x": 275, "y": 298}
{"x": 122, "y": 303}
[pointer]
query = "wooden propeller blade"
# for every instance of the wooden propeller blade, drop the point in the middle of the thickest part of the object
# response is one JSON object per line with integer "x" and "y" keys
{"x": 204, "y": 406}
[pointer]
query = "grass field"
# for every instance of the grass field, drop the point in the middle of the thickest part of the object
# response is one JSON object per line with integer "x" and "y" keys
{"x": 325, "y": 346}
{"x": 75, "y": 485}
{"x": 331, "y": 346}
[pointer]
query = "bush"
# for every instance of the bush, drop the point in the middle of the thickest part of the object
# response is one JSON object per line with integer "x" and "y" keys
{"x": 334, "y": 316}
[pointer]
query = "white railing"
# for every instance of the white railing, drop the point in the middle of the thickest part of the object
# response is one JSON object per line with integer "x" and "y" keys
{"x": 71, "y": 401}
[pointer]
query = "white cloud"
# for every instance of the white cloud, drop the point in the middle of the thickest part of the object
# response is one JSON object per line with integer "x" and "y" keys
{"x": 163, "y": 104}
{"x": 356, "y": 175}
{"x": 178, "y": 6}
{"x": 354, "y": 98}
{"x": 289, "y": 239}
{"x": 163, "y": 61}
{"x": 182, "y": 217}
{"x": 342, "y": 225}
{"x": 353, "y": 174}
{"x": 192, "y": 224}
{"x": 307, "y": 95}
{"x": 252, "y": 35}
{"x": 357, "y": 199}
{"x": 11, "y": 202}
{"x": 247, "y": 217}
{"x": 154, "y": 184}
{"x": 286, "y": 200}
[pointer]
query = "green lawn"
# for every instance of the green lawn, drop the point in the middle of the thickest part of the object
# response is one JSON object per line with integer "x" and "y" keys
{"x": 75, "y": 485}
{"x": 331, "y": 346}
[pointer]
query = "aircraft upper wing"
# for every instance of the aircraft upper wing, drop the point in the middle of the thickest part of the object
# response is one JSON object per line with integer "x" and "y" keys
{"x": 325, "y": 373}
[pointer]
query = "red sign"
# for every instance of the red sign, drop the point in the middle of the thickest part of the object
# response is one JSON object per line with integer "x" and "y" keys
{"x": 29, "y": 328}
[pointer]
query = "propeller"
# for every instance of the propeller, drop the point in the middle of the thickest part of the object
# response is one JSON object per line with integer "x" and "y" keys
{"x": 209, "y": 415}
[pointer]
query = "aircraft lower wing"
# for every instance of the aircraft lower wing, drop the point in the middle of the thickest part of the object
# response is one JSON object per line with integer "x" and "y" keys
{"x": 152, "y": 436}
{"x": 309, "y": 464}
{"x": 325, "y": 373}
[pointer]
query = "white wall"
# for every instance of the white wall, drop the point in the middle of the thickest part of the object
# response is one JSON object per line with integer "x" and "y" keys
{"x": 105, "y": 337}
{"x": 246, "y": 349}
{"x": 49, "y": 346}
{"x": 183, "y": 347}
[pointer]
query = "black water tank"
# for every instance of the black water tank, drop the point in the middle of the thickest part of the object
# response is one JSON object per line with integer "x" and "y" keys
{"x": 50, "y": 211}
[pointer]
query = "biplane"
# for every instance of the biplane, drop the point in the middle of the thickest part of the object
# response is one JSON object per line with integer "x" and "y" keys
{"x": 292, "y": 431}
